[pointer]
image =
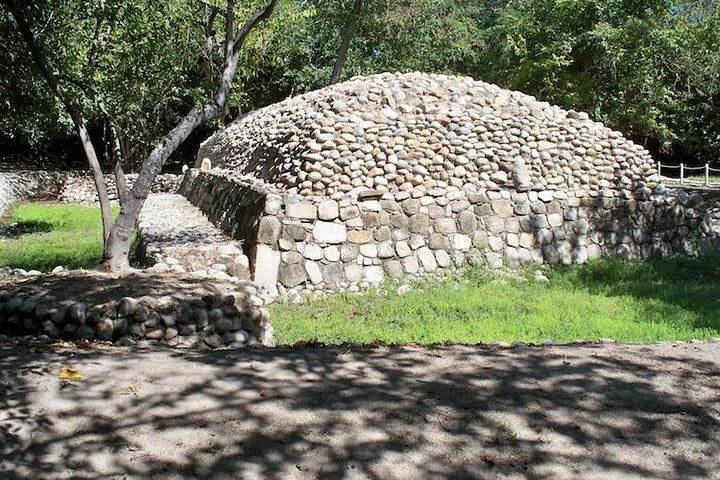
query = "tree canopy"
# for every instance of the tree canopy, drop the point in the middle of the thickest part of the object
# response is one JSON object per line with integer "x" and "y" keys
{"x": 650, "y": 68}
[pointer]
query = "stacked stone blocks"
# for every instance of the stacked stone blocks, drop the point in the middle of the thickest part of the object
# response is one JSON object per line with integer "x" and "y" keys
{"x": 322, "y": 243}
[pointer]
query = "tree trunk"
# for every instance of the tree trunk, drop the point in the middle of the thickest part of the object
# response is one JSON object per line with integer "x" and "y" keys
{"x": 117, "y": 246}
{"x": 72, "y": 110}
{"x": 345, "y": 43}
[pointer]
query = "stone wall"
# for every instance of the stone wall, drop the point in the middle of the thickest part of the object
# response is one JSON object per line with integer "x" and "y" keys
{"x": 319, "y": 243}
{"x": 234, "y": 207}
{"x": 66, "y": 186}
{"x": 22, "y": 185}
{"x": 186, "y": 321}
{"x": 80, "y": 187}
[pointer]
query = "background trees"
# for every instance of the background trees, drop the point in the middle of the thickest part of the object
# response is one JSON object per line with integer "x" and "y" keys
{"x": 650, "y": 68}
{"x": 74, "y": 59}
{"x": 135, "y": 69}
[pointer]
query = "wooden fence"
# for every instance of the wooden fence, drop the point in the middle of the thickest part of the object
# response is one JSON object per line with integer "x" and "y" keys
{"x": 705, "y": 176}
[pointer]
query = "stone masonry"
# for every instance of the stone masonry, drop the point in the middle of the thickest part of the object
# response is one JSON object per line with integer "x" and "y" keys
{"x": 321, "y": 243}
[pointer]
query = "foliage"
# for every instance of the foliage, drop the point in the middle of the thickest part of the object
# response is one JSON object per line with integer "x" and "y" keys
{"x": 42, "y": 236}
{"x": 649, "y": 68}
{"x": 645, "y": 301}
{"x": 146, "y": 63}
{"x": 644, "y": 67}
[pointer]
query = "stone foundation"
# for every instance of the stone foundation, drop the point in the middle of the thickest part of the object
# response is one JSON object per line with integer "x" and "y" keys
{"x": 301, "y": 242}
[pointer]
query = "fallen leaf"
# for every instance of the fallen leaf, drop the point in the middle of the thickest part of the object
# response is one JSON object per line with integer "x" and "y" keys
{"x": 69, "y": 374}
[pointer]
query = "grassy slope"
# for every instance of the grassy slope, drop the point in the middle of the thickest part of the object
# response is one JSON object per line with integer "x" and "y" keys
{"x": 47, "y": 235}
{"x": 651, "y": 300}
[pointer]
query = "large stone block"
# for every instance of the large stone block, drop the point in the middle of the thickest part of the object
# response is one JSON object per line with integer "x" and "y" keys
{"x": 444, "y": 225}
{"x": 269, "y": 230}
{"x": 359, "y": 236}
{"x": 467, "y": 222}
{"x": 411, "y": 265}
{"x": 328, "y": 232}
{"x": 328, "y": 210}
{"x": 295, "y": 232}
{"x": 419, "y": 223}
{"x": 313, "y": 271}
{"x": 373, "y": 274}
{"x": 438, "y": 241}
{"x": 304, "y": 211}
{"x": 502, "y": 208}
{"x": 332, "y": 274}
{"x": 267, "y": 263}
{"x": 353, "y": 272}
{"x": 349, "y": 212}
{"x": 461, "y": 242}
{"x": 427, "y": 259}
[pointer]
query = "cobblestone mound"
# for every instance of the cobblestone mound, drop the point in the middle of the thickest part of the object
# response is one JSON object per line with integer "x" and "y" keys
{"x": 396, "y": 132}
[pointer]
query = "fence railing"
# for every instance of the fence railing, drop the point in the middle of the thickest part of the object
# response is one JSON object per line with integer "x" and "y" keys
{"x": 703, "y": 178}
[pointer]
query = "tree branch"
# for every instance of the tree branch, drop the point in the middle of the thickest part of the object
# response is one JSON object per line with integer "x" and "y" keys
{"x": 17, "y": 13}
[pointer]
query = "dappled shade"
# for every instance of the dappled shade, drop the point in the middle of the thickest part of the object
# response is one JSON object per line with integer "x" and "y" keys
{"x": 450, "y": 412}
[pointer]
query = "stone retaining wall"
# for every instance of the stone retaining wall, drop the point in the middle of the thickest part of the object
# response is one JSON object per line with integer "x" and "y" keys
{"x": 19, "y": 186}
{"x": 66, "y": 186}
{"x": 80, "y": 188}
{"x": 315, "y": 242}
{"x": 210, "y": 321}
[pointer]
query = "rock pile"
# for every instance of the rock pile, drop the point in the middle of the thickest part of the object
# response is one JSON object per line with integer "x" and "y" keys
{"x": 186, "y": 321}
{"x": 395, "y": 132}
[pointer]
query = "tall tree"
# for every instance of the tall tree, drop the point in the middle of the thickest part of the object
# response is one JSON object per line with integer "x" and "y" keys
{"x": 118, "y": 234}
{"x": 345, "y": 42}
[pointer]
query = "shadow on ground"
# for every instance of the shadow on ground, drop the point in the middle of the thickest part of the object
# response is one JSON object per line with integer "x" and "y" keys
{"x": 676, "y": 281}
{"x": 450, "y": 412}
{"x": 18, "y": 229}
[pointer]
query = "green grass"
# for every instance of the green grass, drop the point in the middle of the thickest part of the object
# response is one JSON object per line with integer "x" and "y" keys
{"x": 42, "y": 236}
{"x": 644, "y": 301}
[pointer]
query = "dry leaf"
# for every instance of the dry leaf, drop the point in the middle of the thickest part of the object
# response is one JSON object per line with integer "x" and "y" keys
{"x": 69, "y": 374}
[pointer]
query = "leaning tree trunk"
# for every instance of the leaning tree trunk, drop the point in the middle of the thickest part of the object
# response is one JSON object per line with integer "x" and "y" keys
{"x": 72, "y": 109}
{"x": 117, "y": 246}
{"x": 345, "y": 43}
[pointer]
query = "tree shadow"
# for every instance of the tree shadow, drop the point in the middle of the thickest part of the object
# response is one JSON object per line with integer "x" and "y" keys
{"x": 448, "y": 412}
{"x": 18, "y": 229}
{"x": 676, "y": 281}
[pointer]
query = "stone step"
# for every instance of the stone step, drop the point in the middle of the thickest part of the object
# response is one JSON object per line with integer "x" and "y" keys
{"x": 175, "y": 236}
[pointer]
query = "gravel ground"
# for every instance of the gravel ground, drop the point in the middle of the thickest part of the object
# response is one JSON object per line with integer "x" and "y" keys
{"x": 595, "y": 411}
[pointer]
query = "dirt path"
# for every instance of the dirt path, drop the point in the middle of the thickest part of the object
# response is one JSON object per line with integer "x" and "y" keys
{"x": 453, "y": 412}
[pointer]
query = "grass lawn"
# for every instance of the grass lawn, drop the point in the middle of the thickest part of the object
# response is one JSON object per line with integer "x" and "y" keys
{"x": 656, "y": 299}
{"x": 42, "y": 236}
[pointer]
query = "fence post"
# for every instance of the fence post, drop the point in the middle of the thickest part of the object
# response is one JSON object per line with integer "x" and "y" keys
{"x": 659, "y": 165}
{"x": 682, "y": 173}
{"x": 707, "y": 174}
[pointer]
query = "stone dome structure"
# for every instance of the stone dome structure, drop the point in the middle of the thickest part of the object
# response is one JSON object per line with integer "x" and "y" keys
{"x": 408, "y": 175}
{"x": 396, "y": 132}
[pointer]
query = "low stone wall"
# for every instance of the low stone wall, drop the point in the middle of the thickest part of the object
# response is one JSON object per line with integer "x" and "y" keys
{"x": 185, "y": 321}
{"x": 315, "y": 242}
{"x": 22, "y": 185}
{"x": 66, "y": 186}
{"x": 234, "y": 207}
{"x": 80, "y": 188}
